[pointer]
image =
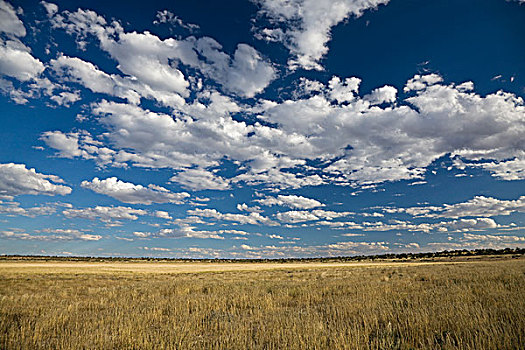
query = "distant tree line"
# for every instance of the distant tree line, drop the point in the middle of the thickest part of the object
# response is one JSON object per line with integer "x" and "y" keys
{"x": 391, "y": 256}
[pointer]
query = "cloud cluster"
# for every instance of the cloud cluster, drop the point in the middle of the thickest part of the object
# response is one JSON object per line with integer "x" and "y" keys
{"x": 304, "y": 26}
{"x": 14, "y": 209}
{"x": 15, "y": 58}
{"x": 465, "y": 225}
{"x": 50, "y": 235}
{"x": 479, "y": 206}
{"x": 152, "y": 66}
{"x": 16, "y": 179}
{"x": 291, "y": 201}
{"x": 16, "y": 61}
{"x": 356, "y": 141}
{"x": 182, "y": 232}
{"x": 352, "y": 139}
{"x": 105, "y": 214}
{"x": 295, "y": 216}
{"x": 252, "y": 218}
{"x": 128, "y": 192}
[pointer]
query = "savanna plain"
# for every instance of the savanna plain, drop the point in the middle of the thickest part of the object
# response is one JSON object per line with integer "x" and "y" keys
{"x": 442, "y": 304}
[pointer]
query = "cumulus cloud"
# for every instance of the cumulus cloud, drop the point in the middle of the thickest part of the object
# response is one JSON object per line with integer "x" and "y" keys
{"x": 105, "y": 214}
{"x": 184, "y": 231}
{"x": 385, "y": 94}
{"x": 128, "y": 192}
{"x": 16, "y": 60}
{"x": 508, "y": 170}
{"x": 252, "y": 218}
{"x": 304, "y": 26}
{"x": 466, "y": 225}
{"x": 50, "y": 8}
{"x": 357, "y": 141}
{"x": 353, "y": 139}
{"x": 14, "y": 209}
{"x": 9, "y": 21}
{"x": 72, "y": 234}
{"x": 153, "y": 63}
{"x": 22, "y": 74}
{"x": 479, "y": 206}
{"x": 246, "y": 207}
{"x": 200, "y": 179}
{"x": 166, "y": 16}
{"x": 493, "y": 238}
{"x": 331, "y": 249}
{"x": 66, "y": 144}
{"x": 294, "y": 216}
{"x": 16, "y": 179}
{"x": 482, "y": 206}
{"x": 162, "y": 214}
{"x": 50, "y": 235}
{"x": 291, "y": 201}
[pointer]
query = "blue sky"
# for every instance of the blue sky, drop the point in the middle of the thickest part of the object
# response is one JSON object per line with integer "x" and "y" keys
{"x": 264, "y": 128}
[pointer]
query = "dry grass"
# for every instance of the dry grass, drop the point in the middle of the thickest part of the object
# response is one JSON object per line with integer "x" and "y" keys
{"x": 472, "y": 305}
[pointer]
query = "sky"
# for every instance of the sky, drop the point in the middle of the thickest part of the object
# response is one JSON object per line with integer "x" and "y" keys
{"x": 262, "y": 128}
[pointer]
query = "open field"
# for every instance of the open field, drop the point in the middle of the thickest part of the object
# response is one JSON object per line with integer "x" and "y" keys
{"x": 41, "y": 267}
{"x": 443, "y": 304}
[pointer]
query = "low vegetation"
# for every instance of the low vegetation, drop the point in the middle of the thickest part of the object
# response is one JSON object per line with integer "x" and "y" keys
{"x": 476, "y": 304}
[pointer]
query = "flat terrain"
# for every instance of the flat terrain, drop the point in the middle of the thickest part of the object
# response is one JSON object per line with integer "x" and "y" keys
{"x": 53, "y": 267}
{"x": 475, "y": 303}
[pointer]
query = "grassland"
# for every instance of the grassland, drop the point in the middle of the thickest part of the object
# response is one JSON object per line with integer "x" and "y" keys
{"x": 445, "y": 304}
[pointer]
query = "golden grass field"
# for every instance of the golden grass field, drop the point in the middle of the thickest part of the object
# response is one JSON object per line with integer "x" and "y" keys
{"x": 446, "y": 304}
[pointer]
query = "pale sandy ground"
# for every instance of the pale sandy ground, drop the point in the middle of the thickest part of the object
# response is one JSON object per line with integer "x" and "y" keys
{"x": 43, "y": 267}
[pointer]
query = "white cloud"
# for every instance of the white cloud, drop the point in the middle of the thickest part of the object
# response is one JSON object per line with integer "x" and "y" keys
{"x": 154, "y": 63}
{"x": 50, "y": 8}
{"x": 50, "y": 235}
{"x": 385, "y": 94}
{"x": 493, "y": 238}
{"x": 356, "y": 141}
{"x": 294, "y": 216}
{"x": 479, "y": 206}
{"x": 157, "y": 249}
{"x": 75, "y": 70}
{"x": 166, "y": 16}
{"x": 242, "y": 219}
{"x": 421, "y": 82}
{"x": 128, "y": 192}
{"x": 508, "y": 170}
{"x": 291, "y": 201}
{"x": 105, "y": 214}
{"x": 9, "y": 21}
{"x": 162, "y": 214}
{"x": 184, "y": 231}
{"x": 304, "y": 26}
{"x": 81, "y": 144}
{"x": 472, "y": 224}
{"x": 461, "y": 225}
{"x": 66, "y": 98}
{"x": 16, "y": 61}
{"x": 16, "y": 179}
{"x": 72, "y": 234}
{"x": 14, "y": 209}
{"x": 200, "y": 179}
{"x": 245, "y": 207}
{"x": 249, "y": 73}
{"x": 482, "y": 206}
{"x": 67, "y": 144}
